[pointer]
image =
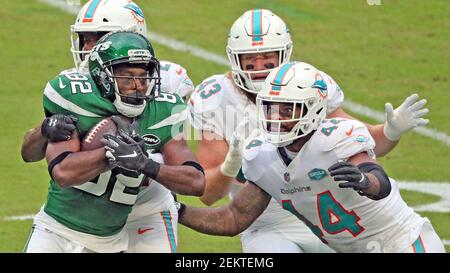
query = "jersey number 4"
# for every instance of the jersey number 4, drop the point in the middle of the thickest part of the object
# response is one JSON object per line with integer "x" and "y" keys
{"x": 334, "y": 218}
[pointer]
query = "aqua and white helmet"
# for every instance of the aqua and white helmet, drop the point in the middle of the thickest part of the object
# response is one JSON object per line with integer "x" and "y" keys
{"x": 257, "y": 31}
{"x": 105, "y": 16}
{"x": 297, "y": 83}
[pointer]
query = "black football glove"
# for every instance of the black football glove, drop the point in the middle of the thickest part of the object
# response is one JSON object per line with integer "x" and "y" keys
{"x": 344, "y": 171}
{"x": 58, "y": 127}
{"x": 123, "y": 151}
{"x": 131, "y": 129}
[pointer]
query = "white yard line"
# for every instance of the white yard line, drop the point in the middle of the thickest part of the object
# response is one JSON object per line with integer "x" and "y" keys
{"x": 435, "y": 188}
{"x": 17, "y": 218}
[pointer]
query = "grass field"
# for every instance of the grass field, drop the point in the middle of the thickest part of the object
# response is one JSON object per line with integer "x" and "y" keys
{"x": 377, "y": 54}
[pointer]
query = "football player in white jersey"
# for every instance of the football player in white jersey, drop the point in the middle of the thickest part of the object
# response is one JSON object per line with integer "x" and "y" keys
{"x": 323, "y": 171}
{"x": 152, "y": 224}
{"x": 258, "y": 42}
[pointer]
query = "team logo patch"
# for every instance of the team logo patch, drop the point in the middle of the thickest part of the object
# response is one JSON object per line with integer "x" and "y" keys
{"x": 321, "y": 88}
{"x": 136, "y": 12}
{"x": 151, "y": 139}
{"x": 287, "y": 177}
{"x": 254, "y": 143}
{"x": 317, "y": 174}
{"x": 361, "y": 139}
{"x": 333, "y": 121}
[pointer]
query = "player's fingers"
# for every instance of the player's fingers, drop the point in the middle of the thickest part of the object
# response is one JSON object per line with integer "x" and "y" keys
{"x": 134, "y": 127}
{"x": 68, "y": 127}
{"x": 120, "y": 123}
{"x": 410, "y": 100}
{"x": 70, "y": 119}
{"x": 65, "y": 134}
{"x": 389, "y": 111}
{"x": 111, "y": 150}
{"x": 127, "y": 138}
{"x": 347, "y": 177}
{"x": 346, "y": 185}
{"x": 110, "y": 156}
{"x": 421, "y": 112}
{"x": 343, "y": 170}
{"x": 339, "y": 165}
{"x": 416, "y": 106}
{"x": 112, "y": 141}
{"x": 422, "y": 122}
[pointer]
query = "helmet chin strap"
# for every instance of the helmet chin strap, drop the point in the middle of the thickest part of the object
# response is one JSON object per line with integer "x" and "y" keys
{"x": 128, "y": 105}
{"x": 128, "y": 110}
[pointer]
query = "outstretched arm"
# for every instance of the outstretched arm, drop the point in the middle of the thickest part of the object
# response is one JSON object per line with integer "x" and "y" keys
{"x": 228, "y": 220}
{"x": 398, "y": 122}
{"x": 383, "y": 144}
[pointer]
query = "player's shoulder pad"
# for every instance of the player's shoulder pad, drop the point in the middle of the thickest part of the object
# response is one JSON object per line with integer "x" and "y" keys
{"x": 345, "y": 136}
{"x": 257, "y": 153}
{"x": 174, "y": 79}
{"x": 209, "y": 95}
{"x": 170, "y": 103}
{"x": 61, "y": 84}
{"x": 168, "y": 99}
{"x": 170, "y": 108}
{"x": 68, "y": 71}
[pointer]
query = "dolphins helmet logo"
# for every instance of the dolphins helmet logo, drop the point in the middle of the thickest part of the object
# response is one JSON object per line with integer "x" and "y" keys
{"x": 136, "y": 12}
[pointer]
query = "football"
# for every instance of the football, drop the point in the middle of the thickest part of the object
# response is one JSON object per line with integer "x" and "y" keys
{"x": 93, "y": 139}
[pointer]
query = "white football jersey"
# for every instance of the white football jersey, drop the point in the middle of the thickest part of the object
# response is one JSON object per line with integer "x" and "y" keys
{"x": 345, "y": 220}
{"x": 217, "y": 105}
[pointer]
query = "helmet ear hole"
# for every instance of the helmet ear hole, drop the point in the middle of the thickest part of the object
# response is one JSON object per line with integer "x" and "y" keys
{"x": 108, "y": 85}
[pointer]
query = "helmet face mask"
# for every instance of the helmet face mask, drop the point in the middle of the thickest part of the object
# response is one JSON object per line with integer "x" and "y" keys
{"x": 79, "y": 41}
{"x": 101, "y": 17}
{"x": 119, "y": 51}
{"x": 292, "y": 103}
{"x": 257, "y": 31}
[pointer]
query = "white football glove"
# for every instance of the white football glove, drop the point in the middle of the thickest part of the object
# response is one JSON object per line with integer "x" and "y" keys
{"x": 405, "y": 117}
{"x": 233, "y": 161}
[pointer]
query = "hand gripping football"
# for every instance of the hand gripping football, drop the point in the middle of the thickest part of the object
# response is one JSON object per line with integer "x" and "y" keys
{"x": 93, "y": 139}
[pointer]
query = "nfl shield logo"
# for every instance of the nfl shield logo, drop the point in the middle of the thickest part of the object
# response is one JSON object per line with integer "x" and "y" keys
{"x": 287, "y": 177}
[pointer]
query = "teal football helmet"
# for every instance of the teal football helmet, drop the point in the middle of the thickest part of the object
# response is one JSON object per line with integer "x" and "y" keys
{"x": 124, "y": 48}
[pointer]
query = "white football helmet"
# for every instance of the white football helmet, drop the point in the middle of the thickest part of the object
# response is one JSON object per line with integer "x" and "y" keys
{"x": 257, "y": 31}
{"x": 104, "y": 16}
{"x": 301, "y": 85}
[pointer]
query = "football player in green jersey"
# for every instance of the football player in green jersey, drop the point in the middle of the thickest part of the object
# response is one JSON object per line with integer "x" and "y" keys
{"x": 89, "y": 199}
{"x": 152, "y": 223}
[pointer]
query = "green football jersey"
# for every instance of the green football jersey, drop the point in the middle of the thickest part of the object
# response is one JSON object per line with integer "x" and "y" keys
{"x": 101, "y": 206}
